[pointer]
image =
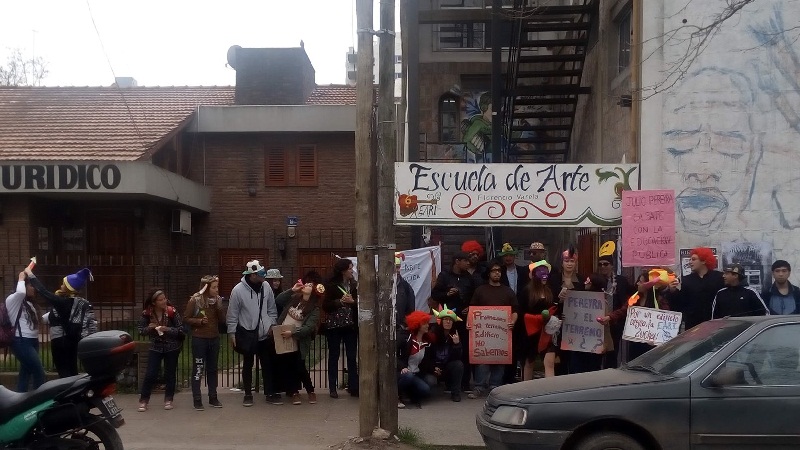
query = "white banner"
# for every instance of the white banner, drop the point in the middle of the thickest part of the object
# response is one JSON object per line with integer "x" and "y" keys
{"x": 652, "y": 326}
{"x": 574, "y": 195}
{"x": 420, "y": 268}
{"x": 581, "y": 332}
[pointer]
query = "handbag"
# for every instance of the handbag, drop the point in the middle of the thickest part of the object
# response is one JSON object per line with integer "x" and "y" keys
{"x": 341, "y": 317}
{"x": 247, "y": 340}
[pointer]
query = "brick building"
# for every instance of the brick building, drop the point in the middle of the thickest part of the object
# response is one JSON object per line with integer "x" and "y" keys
{"x": 160, "y": 185}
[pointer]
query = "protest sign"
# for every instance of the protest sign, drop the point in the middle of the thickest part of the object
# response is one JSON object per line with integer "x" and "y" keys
{"x": 282, "y": 344}
{"x": 648, "y": 228}
{"x": 580, "y": 331}
{"x": 652, "y": 326}
{"x": 419, "y": 267}
{"x": 489, "y": 335}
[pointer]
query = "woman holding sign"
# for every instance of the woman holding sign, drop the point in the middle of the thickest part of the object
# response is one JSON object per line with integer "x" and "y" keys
{"x": 651, "y": 293}
{"x": 561, "y": 281}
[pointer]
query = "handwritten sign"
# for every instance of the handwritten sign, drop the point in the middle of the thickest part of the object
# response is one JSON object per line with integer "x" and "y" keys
{"x": 572, "y": 195}
{"x": 580, "y": 331}
{"x": 648, "y": 228}
{"x": 489, "y": 337}
{"x": 652, "y": 326}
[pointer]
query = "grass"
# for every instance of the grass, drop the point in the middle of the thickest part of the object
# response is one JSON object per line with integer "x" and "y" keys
{"x": 412, "y": 437}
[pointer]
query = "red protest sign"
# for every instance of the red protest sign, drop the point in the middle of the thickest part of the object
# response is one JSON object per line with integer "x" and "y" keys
{"x": 489, "y": 335}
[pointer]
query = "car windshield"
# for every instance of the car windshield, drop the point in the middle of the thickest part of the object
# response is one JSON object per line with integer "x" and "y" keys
{"x": 686, "y": 352}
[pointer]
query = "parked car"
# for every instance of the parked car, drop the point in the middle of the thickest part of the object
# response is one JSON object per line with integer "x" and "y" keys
{"x": 725, "y": 384}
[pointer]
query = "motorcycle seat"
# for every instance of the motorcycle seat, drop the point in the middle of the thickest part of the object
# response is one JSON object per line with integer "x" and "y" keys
{"x": 13, "y": 403}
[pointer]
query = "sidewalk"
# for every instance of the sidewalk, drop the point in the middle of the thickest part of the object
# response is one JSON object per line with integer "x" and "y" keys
{"x": 290, "y": 427}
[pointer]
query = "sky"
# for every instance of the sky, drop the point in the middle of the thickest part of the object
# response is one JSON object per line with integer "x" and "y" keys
{"x": 171, "y": 42}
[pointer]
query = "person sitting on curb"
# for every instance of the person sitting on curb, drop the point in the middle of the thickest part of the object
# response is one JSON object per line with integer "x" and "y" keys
{"x": 447, "y": 349}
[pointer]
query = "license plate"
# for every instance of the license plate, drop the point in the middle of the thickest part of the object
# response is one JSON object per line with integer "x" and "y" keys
{"x": 111, "y": 406}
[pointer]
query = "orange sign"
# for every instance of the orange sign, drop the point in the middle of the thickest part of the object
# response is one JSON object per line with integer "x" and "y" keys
{"x": 489, "y": 335}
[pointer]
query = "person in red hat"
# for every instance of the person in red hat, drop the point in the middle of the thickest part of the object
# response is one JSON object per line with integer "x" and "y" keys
{"x": 415, "y": 359}
{"x": 477, "y": 267}
{"x": 694, "y": 294}
{"x": 71, "y": 318}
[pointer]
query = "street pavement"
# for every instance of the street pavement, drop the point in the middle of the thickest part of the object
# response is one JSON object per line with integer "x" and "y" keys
{"x": 287, "y": 426}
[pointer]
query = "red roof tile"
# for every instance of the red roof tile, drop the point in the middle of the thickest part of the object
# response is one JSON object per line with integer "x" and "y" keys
{"x": 334, "y": 94}
{"x": 90, "y": 123}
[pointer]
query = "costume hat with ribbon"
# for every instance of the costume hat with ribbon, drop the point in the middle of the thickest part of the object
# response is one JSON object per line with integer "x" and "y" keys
{"x": 446, "y": 312}
{"x": 607, "y": 251}
{"x": 507, "y": 249}
{"x": 255, "y": 267}
{"x": 77, "y": 280}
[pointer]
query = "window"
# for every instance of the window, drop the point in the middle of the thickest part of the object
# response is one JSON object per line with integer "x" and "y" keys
{"x": 276, "y": 167}
{"x": 448, "y": 118}
{"x": 771, "y": 359}
{"x": 307, "y": 165}
{"x": 624, "y": 41}
{"x": 398, "y": 59}
{"x": 461, "y": 36}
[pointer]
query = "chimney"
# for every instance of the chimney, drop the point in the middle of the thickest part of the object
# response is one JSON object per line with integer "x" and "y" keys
{"x": 125, "y": 82}
{"x": 272, "y": 76}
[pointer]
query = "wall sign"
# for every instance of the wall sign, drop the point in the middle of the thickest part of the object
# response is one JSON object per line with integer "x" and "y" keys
{"x": 60, "y": 176}
{"x": 572, "y": 195}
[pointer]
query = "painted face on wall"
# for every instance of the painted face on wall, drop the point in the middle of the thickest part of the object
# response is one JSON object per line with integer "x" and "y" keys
{"x": 709, "y": 142}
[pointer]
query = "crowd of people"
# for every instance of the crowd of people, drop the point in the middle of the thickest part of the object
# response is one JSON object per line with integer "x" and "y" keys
{"x": 433, "y": 346}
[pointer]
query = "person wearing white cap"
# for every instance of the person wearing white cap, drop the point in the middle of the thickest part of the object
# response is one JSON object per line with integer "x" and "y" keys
{"x": 252, "y": 309}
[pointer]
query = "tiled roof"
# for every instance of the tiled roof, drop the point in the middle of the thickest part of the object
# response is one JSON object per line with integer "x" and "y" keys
{"x": 90, "y": 123}
{"x": 85, "y": 123}
{"x": 334, "y": 94}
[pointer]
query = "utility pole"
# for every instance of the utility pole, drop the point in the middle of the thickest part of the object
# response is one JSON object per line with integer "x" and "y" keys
{"x": 365, "y": 225}
{"x": 387, "y": 150}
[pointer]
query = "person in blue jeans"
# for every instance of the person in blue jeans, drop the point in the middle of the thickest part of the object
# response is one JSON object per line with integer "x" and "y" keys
{"x": 416, "y": 359}
{"x": 25, "y": 345}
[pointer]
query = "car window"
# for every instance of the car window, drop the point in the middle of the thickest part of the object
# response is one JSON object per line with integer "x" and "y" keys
{"x": 772, "y": 358}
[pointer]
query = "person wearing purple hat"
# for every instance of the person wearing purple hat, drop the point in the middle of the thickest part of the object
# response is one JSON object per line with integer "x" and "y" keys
{"x": 71, "y": 318}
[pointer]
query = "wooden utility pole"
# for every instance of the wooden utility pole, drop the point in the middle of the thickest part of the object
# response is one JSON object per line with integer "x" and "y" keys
{"x": 365, "y": 225}
{"x": 387, "y": 150}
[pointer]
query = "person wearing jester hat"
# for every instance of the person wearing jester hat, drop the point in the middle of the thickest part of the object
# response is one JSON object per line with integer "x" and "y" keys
{"x": 71, "y": 318}
{"x": 539, "y": 307}
{"x": 447, "y": 351}
{"x": 618, "y": 289}
{"x": 652, "y": 292}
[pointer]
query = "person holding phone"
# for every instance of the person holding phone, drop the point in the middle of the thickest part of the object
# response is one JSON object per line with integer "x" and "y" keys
{"x": 204, "y": 313}
{"x": 164, "y": 325}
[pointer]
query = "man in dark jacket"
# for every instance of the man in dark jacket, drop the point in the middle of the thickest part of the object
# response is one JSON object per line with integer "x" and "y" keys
{"x": 405, "y": 301}
{"x": 782, "y": 297}
{"x": 698, "y": 289}
{"x": 735, "y": 299}
{"x": 619, "y": 288}
{"x": 516, "y": 277}
{"x": 455, "y": 287}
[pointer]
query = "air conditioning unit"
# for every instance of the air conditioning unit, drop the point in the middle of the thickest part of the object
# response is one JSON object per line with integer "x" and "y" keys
{"x": 181, "y": 221}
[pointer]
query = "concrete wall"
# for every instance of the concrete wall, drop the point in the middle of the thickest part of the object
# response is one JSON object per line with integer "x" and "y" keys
{"x": 724, "y": 135}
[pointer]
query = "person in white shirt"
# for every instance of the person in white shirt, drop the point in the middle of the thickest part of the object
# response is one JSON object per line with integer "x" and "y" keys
{"x": 25, "y": 346}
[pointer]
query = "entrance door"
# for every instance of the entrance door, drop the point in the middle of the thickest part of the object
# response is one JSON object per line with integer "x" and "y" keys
{"x": 111, "y": 255}
{"x": 232, "y": 263}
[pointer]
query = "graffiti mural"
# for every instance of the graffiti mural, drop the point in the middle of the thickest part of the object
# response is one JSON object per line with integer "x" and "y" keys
{"x": 731, "y": 127}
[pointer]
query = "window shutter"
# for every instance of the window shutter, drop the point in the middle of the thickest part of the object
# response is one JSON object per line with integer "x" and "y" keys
{"x": 275, "y": 171}
{"x": 307, "y": 166}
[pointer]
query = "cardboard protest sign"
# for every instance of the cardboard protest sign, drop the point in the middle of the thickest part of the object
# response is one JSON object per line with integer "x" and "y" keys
{"x": 489, "y": 335}
{"x": 282, "y": 344}
{"x": 648, "y": 228}
{"x": 581, "y": 332}
{"x": 651, "y": 326}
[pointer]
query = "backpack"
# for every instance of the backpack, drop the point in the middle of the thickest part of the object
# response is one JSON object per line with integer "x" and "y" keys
{"x": 7, "y": 328}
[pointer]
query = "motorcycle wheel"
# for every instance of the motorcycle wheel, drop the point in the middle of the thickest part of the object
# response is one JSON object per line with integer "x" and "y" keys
{"x": 105, "y": 436}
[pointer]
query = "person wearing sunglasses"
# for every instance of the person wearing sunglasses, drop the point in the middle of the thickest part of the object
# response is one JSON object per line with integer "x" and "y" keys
{"x": 618, "y": 289}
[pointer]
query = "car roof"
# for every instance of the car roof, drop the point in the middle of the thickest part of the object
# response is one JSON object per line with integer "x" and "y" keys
{"x": 773, "y": 318}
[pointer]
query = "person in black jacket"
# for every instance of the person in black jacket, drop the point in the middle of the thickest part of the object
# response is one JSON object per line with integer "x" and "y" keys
{"x": 516, "y": 277}
{"x": 415, "y": 359}
{"x": 697, "y": 290}
{"x": 782, "y": 297}
{"x": 405, "y": 301}
{"x": 619, "y": 289}
{"x": 560, "y": 281}
{"x": 447, "y": 351}
{"x": 735, "y": 299}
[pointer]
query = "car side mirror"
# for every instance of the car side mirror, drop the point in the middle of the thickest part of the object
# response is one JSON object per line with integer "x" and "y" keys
{"x": 727, "y": 376}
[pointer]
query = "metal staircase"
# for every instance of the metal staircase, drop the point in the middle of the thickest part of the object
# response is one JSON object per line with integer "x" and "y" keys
{"x": 543, "y": 77}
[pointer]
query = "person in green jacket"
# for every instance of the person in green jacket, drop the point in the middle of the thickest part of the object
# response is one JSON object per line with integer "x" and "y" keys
{"x": 302, "y": 311}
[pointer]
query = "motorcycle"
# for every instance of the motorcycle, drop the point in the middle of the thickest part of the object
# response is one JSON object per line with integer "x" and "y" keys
{"x": 60, "y": 414}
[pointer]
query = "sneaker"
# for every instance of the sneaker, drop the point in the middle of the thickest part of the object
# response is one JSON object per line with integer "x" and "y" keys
{"x": 296, "y": 399}
{"x": 476, "y": 393}
{"x": 312, "y": 398}
{"x": 401, "y": 405}
{"x": 455, "y": 396}
{"x": 214, "y": 401}
{"x": 274, "y": 399}
{"x": 198, "y": 404}
{"x": 168, "y": 405}
{"x": 142, "y": 407}
{"x": 248, "y": 400}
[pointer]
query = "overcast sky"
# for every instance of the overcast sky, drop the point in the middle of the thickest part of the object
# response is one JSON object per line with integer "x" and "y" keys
{"x": 172, "y": 42}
